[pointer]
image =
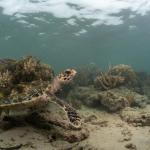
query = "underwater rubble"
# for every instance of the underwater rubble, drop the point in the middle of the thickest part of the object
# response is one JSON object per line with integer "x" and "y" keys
{"x": 136, "y": 116}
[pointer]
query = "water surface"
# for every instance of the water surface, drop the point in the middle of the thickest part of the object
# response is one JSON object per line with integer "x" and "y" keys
{"x": 67, "y": 33}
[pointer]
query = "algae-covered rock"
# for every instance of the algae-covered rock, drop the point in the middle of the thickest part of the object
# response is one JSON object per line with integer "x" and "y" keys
{"x": 118, "y": 98}
{"x": 84, "y": 95}
{"x": 26, "y": 70}
{"x": 113, "y": 101}
{"x": 70, "y": 135}
{"x": 19, "y": 77}
{"x": 134, "y": 98}
{"x": 30, "y": 69}
{"x": 137, "y": 116}
{"x": 140, "y": 100}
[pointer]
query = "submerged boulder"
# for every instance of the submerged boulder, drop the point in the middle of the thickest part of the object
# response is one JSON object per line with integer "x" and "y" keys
{"x": 116, "y": 99}
{"x": 113, "y": 101}
{"x": 19, "y": 78}
{"x": 87, "y": 96}
{"x": 137, "y": 116}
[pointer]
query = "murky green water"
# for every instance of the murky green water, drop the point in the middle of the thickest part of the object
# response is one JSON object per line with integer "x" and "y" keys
{"x": 118, "y": 37}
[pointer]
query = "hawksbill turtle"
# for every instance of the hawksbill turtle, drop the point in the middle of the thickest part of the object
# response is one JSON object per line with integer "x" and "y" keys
{"x": 38, "y": 103}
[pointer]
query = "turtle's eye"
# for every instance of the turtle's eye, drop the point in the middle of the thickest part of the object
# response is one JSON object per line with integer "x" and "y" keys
{"x": 67, "y": 72}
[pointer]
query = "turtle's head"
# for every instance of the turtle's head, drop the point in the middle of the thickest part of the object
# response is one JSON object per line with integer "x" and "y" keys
{"x": 60, "y": 80}
{"x": 67, "y": 75}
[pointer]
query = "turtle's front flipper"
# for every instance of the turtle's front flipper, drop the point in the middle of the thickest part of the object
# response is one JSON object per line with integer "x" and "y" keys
{"x": 72, "y": 115}
{"x": 67, "y": 116}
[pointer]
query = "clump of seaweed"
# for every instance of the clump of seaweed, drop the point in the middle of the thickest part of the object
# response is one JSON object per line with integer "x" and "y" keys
{"x": 30, "y": 65}
{"x": 30, "y": 69}
{"x": 19, "y": 78}
{"x": 125, "y": 71}
{"x": 116, "y": 76}
{"x": 86, "y": 75}
{"x": 5, "y": 79}
{"x": 106, "y": 81}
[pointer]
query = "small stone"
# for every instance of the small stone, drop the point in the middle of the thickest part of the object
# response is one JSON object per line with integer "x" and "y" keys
{"x": 131, "y": 146}
{"x": 12, "y": 139}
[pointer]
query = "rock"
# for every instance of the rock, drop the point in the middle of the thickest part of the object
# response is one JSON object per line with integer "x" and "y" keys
{"x": 113, "y": 101}
{"x": 70, "y": 135}
{"x": 86, "y": 95}
{"x": 106, "y": 81}
{"x": 137, "y": 116}
{"x": 131, "y": 146}
{"x": 118, "y": 98}
{"x": 140, "y": 100}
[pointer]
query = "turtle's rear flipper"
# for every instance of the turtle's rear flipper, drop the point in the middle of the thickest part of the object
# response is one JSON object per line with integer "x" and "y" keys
{"x": 38, "y": 121}
{"x": 15, "y": 121}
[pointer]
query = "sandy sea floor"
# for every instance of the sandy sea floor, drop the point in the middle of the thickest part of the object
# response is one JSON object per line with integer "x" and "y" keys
{"x": 107, "y": 132}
